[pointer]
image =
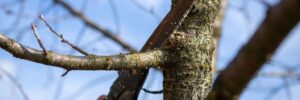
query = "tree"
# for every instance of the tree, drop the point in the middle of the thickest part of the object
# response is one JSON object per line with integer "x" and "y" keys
{"x": 182, "y": 47}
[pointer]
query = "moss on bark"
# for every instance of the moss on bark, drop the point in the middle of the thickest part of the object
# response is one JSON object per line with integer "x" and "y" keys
{"x": 189, "y": 73}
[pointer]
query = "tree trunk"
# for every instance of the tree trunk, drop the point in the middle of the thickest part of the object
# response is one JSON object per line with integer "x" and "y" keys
{"x": 189, "y": 71}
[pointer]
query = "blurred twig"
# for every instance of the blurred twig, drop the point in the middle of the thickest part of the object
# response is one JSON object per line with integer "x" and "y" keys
{"x": 150, "y": 11}
{"x": 95, "y": 26}
{"x": 18, "y": 17}
{"x": 116, "y": 16}
{"x": 14, "y": 81}
{"x": 87, "y": 86}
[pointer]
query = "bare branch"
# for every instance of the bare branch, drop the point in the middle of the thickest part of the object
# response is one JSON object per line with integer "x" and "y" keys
{"x": 79, "y": 37}
{"x": 36, "y": 34}
{"x": 62, "y": 38}
{"x": 65, "y": 73}
{"x": 278, "y": 23}
{"x": 95, "y": 26}
{"x": 48, "y": 25}
{"x": 64, "y": 41}
{"x": 153, "y": 92}
{"x": 90, "y": 62}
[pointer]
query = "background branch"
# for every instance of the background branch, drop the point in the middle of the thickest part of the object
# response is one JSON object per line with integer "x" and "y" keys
{"x": 279, "y": 21}
{"x": 14, "y": 81}
{"x": 95, "y": 26}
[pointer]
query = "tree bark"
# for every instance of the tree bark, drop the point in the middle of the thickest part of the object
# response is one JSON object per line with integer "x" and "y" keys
{"x": 188, "y": 75}
{"x": 129, "y": 84}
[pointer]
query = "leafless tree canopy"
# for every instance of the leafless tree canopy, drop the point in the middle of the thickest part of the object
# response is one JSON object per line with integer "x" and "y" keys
{"x": 184, "y": 46}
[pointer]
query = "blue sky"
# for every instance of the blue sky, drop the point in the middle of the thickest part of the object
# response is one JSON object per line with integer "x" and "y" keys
{"x": 42, "y": 82}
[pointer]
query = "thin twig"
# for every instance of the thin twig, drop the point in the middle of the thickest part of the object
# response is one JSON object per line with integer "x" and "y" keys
{"x": 62, "y": 38}
{"x": 36, "y": 34}
{"x": 64, "y": 41}
{"x": 48, "y": 25}
{"x": 84, "y": 27}
{"x": 65, "y": 73}
{"x": 153, "y": 92}
{"x": 79, "y": 37}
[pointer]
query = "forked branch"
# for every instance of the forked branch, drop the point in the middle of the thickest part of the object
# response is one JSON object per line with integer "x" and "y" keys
{"x": 129, "y": 85}
{"x": 62, "y": 37}
{"x": 90, "y": 62}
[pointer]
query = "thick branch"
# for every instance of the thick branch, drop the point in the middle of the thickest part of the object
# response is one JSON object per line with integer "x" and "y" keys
{"x": 90, "y": 62}
{"x": 170, "y": 23}
{"x": 279, "y": 21}
{"x": 129, "y": 85}
{"x": 95, "y": 26}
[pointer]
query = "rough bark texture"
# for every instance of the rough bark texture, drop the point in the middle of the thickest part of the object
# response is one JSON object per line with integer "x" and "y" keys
{"x": 278, "y": 23}
{"x": 187, "y": 52}
{"x": 189, "y": 72}
{"x": 128, "y": 85}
